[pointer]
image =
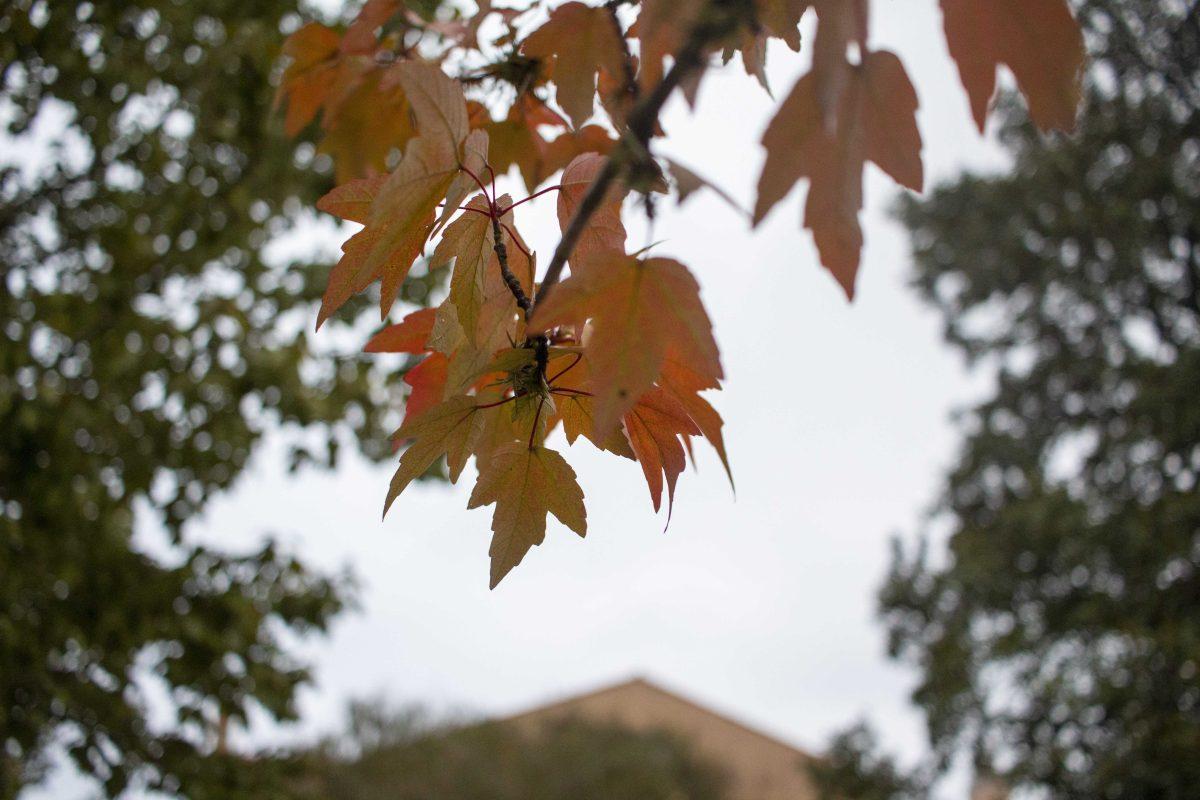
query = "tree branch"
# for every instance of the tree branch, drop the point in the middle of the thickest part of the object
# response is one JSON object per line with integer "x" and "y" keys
{"x": 510, "y": 280}
{"x": 719, "y": 19}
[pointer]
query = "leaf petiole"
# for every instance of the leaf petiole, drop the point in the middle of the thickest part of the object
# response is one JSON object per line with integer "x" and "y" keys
{"x": 479, "y": 183}
{"x": 500, "y": 402}
{"x": 516, "y": 241}
{"x": 468, "y": 208}
{"x": 531, "y": 197}
{"x": 537, "y": 415}
{"x": 566, "y": 369}
{"x": 570, "y": 392}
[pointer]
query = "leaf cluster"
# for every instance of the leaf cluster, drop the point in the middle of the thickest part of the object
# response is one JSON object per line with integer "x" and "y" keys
{"x": 621, "y": 350}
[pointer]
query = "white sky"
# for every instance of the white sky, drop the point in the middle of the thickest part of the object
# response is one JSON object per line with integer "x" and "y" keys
{"x": 762, "y": 606}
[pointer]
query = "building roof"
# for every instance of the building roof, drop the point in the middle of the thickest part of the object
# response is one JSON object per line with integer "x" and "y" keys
{"x": 760, "y": 767}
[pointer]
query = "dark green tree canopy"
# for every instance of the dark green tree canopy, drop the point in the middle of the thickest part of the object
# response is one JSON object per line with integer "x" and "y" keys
{"x": 146, "y": 345}
{"x": 1058, "y": 639}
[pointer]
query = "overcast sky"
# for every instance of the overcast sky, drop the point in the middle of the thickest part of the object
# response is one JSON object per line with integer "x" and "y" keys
{"x": 759, "y": 605}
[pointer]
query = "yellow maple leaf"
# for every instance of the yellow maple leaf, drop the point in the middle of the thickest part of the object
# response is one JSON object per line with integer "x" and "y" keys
{"x": 526, "y": 484}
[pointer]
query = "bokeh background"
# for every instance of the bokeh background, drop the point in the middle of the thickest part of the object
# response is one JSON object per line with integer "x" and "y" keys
{"x": 182, "y": 292}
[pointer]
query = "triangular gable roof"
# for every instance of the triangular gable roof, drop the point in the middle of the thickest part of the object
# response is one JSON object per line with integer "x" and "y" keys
{"x": 760, "y": 766}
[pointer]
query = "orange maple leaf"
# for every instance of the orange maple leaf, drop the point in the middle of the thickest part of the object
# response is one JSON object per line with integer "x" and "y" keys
{"x": 655, "y": 425}
{"x": 401, "y": 211}
{"x": 639, "y": 311}
{"x": 427, "y": 382}
{"x": 427, "y": 379}
{"x": 579, "y": 40}
{"x": 605, "y": 233}
{"x": 781, "y": 18}
{"x": 569, "y": 377}
{"x": 309, "y": 75}
{"x": 685, "y": 384}
{"x": 876, "y": 121}
{"x": 409, "y": 335}
{"x": 1038, "y": 40}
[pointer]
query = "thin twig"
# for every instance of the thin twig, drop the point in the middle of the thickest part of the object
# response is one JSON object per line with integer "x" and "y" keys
{"x": 631, "y": 85}
{"x": 718, "y": 19}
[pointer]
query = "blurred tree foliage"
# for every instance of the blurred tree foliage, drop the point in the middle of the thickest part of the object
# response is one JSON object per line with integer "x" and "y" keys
{"x": 1058, "y": 639}
{"x": 402, "y": 756}
{"x": 145, "y": 348}
{"x": 854, "y": 767}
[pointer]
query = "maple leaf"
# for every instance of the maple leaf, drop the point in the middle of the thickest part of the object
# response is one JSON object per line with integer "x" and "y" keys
{"x": 688, "y": 183}
{"x": 617, "y": 96}
{"x": 639, "y": 311}
{"x": 568, "y": 377}
{"x": 605, "y": 233}
{"x": 437, "y": 102}
{"x": 1038, "y": 40}
{"x": 468, "y": 242}
{"x": 753, "y": 47}
{"x": 450, "y": 428}
{"x": 514, "y": 142}
{"x": 427, "y": 382}
{"x": 390, "y": 242}
{"x": 876, "y": 122}
{"x": 580, "y": 40}
{"x": 366, "y": 117}
{"x": 526, "y": 484}
{"x": 474, "y": 159}
{"x": 427, "y": 379}
{"x": 781, "y": 18}
{"x": 655, "y": 424}
{"x": 360, "y": 36}
{"x": 571, "y": 144}
{"x": 409, "y": 335}
{"x": 685, "y": 384}
{"x": 517, "y": 140}
{"x": 352, "y": 200}
{"x": 309, "y": 76}
{"x": 477, "y": 290}
{"x": 401, "y": 213}
{"x": 465, "y": 363}
{"x": 661, "y": 27}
